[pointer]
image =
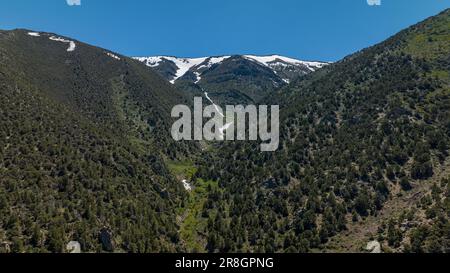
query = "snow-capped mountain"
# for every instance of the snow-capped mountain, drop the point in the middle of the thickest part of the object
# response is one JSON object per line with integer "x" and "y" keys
{"x": 285, "y": 67}
{"x": 231, "y": 79}
{"x": 174, "y": 68}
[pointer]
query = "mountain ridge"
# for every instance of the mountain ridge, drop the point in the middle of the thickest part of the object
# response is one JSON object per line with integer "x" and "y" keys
{"x": 270, "y": 60}
{"x": 231, "y": 79}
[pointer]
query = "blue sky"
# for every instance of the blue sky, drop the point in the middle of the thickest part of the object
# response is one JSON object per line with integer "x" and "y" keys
{"x": 325, "y": 30}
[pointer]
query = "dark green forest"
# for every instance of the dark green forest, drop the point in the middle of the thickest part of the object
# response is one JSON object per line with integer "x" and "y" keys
{"x": 355, "y": 135}
{"x": 83, "y": 140}
{"x": 86, "y": 154}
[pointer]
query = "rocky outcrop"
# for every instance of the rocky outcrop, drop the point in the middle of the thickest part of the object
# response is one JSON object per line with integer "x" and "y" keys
{"x": 374, "y": 247}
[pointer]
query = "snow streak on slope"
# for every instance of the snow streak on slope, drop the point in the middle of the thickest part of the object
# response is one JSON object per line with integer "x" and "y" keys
{"x": 183, "y": 64}
{"x": 215, "y": 106}
{"x": 198, "y": 77}
{"x": 72, "y": 45}
{"x": 113, "y": 56}
{"x": 186, "y": 185}
{"x": 226, "y": 126}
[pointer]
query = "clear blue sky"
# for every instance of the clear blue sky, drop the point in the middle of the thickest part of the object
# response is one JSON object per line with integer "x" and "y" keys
{"x": 306, "y": 29}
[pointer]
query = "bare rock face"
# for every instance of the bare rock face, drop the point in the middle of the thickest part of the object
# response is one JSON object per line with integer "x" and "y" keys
{"x": 106, "y": 239}
{"x": 374, "y": 247}
{"x": 73, "y": 247}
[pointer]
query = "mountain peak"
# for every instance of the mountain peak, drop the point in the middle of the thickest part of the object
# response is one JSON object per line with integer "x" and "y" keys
{"x": 174, "y": 68}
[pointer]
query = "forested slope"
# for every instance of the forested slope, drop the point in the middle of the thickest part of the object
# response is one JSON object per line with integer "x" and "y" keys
{"x": 355, "y": 134}
{"x": 83, "y": 138}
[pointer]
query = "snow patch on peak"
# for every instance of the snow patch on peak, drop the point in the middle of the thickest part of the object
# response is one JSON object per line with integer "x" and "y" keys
{"x": 273, "y": 60}
{"x": 150, "y": 61}
{"x": 34, "y": 34}
{"x": 212, "y": 61}
{"x": 183, "y": 64}
{"x": 208, "y": 63}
